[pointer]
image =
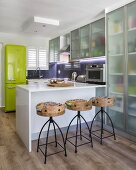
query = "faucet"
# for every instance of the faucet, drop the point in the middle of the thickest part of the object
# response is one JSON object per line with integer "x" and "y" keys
{"x": 39, "y": 73}
{"x": 74, "y": 75}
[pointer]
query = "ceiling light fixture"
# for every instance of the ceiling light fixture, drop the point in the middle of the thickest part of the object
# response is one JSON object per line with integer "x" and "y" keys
{"x": 46, "y": 21}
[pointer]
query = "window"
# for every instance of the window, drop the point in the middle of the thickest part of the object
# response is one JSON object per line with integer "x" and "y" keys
{"x": 37, "y": 57}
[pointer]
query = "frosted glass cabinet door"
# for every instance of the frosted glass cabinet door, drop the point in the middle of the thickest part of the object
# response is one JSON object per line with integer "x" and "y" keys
{"x": 84, "y": 41}
{"x": 51, "y": 51}
{"x": 131, "y": 33}
{"x": 116, "y": 63}
{"x": 75, "y": 45}
{"x": 98, "y": 38}
{"x": 56, "y": 49}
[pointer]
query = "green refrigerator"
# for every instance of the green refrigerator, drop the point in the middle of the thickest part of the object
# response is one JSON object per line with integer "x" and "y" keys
{"x": 15, "y": 73}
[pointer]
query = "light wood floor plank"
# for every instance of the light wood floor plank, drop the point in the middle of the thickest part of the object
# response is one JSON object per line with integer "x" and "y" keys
{"x": 112, "y": 155}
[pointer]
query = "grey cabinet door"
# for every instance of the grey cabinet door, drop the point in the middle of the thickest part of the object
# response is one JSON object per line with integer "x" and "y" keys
{"x": 75, "y": 45}
{"x": 116, "y": 65}
{"x": 84, "y": 41}
{"x": 54, "y": 47}
{"x": 88, "y": 41}
{"x": 51, "y": 51}
{"x": 131, "y": 68}
{"x": 97, "y": 42}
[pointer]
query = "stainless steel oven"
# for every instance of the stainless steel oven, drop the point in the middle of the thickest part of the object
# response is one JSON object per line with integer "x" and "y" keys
{"x": 95, "y": 73}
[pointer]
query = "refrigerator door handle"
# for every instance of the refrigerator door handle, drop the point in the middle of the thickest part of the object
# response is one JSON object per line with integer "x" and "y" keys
{"x": 10, "y": 87}
{"x": 12, "y": 79}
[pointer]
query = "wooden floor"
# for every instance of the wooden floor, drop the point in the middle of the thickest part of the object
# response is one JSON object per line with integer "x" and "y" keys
{"x": 112, "y": 155}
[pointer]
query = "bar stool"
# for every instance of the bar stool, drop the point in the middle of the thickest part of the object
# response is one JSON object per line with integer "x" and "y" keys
{"x": 50, "y": 109}
{"x": 103, "y": 102}
{"x": 78, "y": 105}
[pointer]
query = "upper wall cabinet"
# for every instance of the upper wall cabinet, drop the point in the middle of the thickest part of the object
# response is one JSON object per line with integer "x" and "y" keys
{"x": 98, "y": 38}
{"x": 84, "y": 41}
{"x": 88, "y": 41}
{"x": 54, "y": 47}
{"x": 75, "y": 45}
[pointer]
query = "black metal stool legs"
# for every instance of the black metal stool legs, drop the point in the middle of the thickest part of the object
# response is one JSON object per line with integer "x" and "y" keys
{"x": 111, "y": 125}
{"x": 102, "y": 111}
{"x": 78, "y": 127}
{"x": 101, "y": 123}
{"x": 47, "y": 136}
{"x": 88, "y": 129}
{"x": 62, "y": 137}
{"x": 76, "y": 135}
{"x": 55, "y": 134}
{"x": 40, "y": 135}
{"x": 47, "y": 141}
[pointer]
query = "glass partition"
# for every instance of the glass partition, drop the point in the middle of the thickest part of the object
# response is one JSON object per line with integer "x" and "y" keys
{"x": 131, "y": 70}
{"x": 116, "y": 63}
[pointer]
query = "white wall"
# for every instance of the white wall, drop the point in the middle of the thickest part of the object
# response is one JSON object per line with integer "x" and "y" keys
{"x": 6, "y": 38}
{"x": 27, "y": 40}
{"x": 1, "y": 75}
{"x": 80, "y": 24}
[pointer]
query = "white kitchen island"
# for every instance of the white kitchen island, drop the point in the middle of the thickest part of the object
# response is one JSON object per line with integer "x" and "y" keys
{"x": 28, "y": 123}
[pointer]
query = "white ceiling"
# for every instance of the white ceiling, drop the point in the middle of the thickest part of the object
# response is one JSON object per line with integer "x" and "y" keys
{"x": 16, "y": 15}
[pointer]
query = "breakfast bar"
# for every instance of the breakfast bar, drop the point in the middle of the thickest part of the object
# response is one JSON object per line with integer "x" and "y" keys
{"x": 28, "y": 123}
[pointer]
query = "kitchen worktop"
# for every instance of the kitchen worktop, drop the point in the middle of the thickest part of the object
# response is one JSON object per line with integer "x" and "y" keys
{"x": 28, "y": 123}
{"x": 39, "y": 87}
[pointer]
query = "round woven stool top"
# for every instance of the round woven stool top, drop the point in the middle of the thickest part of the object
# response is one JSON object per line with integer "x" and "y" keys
{"x": 103, "y": 101}
{"x": 50, "y": 109}
{"x": 79, "y": 104}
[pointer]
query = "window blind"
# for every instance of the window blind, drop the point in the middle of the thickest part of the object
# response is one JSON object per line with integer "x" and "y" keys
{"x": 32, "y": 58}
{"x": 37, "y": 57}
{"x": 43, "y": 59}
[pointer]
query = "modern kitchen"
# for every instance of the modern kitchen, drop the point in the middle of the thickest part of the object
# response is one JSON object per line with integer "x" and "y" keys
{"x": 67, "y": 85}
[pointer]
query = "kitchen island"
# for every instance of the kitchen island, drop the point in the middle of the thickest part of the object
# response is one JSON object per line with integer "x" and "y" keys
{"x": 28, "y": 123}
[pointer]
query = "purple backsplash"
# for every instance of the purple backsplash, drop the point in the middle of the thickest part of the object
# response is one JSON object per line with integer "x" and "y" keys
{"x": 52, "y": 70}
{"x": 64, "y": 73}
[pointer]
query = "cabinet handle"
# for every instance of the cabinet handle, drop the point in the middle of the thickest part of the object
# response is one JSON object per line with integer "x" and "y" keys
{"x": 11, "y": 87}
{"x": 12, "y": 79}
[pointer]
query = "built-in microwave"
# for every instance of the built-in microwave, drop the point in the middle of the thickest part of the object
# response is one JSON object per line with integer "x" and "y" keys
{"x": 95, "y": 73}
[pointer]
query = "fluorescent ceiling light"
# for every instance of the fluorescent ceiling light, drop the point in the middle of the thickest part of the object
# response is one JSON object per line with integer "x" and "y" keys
{"x": 46, "y": 21}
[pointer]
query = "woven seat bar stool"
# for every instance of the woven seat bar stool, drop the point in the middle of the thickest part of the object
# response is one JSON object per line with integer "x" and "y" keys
{"x": 102, "y": 102}
{"x": 50, "y": 109}
{"x": 78, "y": 105}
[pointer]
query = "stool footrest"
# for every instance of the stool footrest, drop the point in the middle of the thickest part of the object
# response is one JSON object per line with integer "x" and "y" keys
{"x": 54, "y": 152}
{"x": 51, "y": 153}
{"x": 79, "y": 136}
{"x": 112, "y": 134}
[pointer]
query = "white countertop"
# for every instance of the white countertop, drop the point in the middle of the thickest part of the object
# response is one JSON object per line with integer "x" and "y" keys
{"x": 39, "y": 87}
